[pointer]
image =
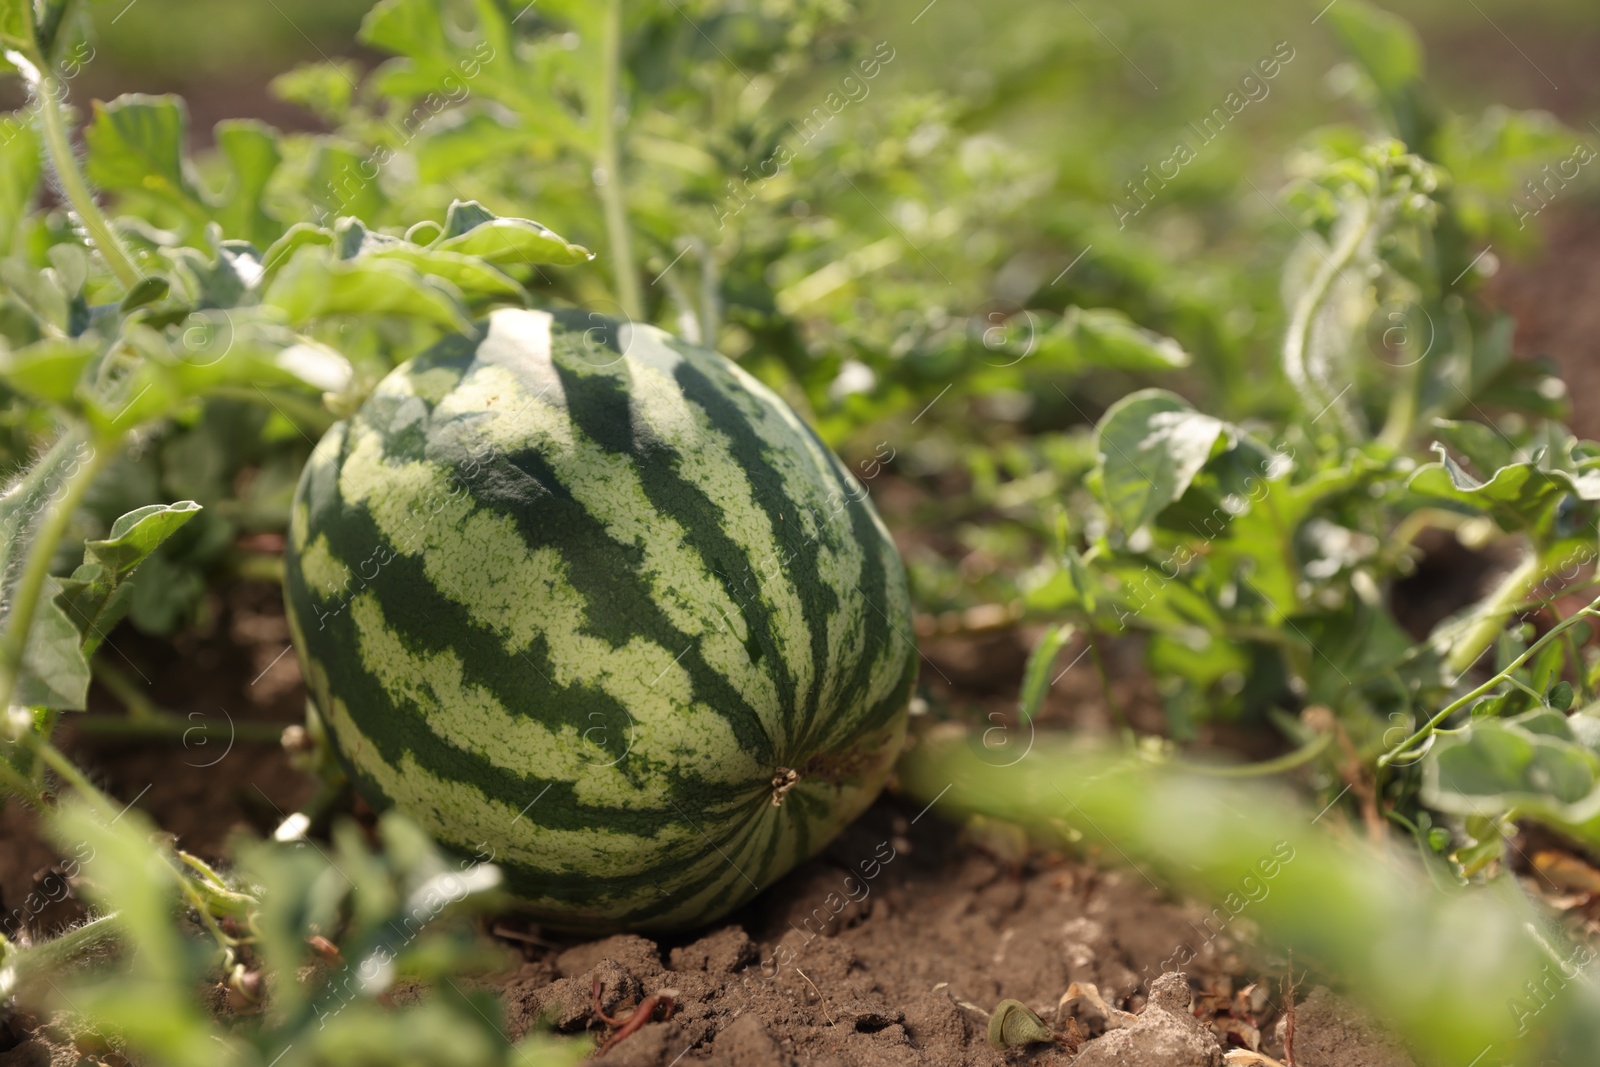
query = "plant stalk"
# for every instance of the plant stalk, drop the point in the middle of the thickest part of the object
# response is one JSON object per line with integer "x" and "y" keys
{"x": 168, "y": 726}
{"x": 49, "y": 92}
{"x": 47, "y": 957}
{"x": 20, "y": 785}
{"x": 70, "y": 774}
{"x": 1496, "y": 609}
{"x": 1277, "y": 765}
{"x": 1304, "y": 316}
{"x": 613, "y": 196}
{"x": 1402, "y": 410}
{"x": 1591, "y": 611}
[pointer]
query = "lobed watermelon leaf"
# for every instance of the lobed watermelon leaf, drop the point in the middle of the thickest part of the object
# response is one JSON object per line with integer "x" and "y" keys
{"x": 1531, "y": 764}
{"x": 314, "y": 284}
{"x": 96, "y": 597}
{"x": 55, "y": 672}
{"x": 471, "y": 229}
{"x": 136, "y": 146}
{"x": 1151, "y": 445}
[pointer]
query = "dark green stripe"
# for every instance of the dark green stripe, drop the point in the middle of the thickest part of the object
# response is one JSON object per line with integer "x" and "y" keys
{"x": 877, "y": 627}
{"x": 604, "y": 411}
{"x": 800, "y": 557}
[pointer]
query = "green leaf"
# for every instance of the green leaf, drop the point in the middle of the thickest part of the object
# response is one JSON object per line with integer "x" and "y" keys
{"x": 1036, "y": 678}
{"x": 344, "y": 181}
{"x": 1151, "y": 445}
{"x": 314, "y": 284}
{"x": 1559, "y": 696}
{"x": 251, "y": 149}
{"x": 295, "y": 237}
{"x": 166, "y": 595}
{"x": 326, "y": 89}
{"x": 1108, "y": 338}
{"x": 1384, "y": 44}
{"x": 1520, "y": 496}
{"x": 351, "y": 237}
{"x": 1485, "y": 447}
{"x": 146, "y": 291}
{"x": 136, "y": 146}
{"x": 472, "y": 230}
{"x": 470, "y": 274}
{"x": 1388, "y": 51}
{"x": 149, "y": 393}
{"x": 20, "y": 168}
{"x": 405, "y": 27}
{"x": 1531, "y": 385}
{"x": 71, "y": 265}
{"x": 38, "y": 291}
{"x": 98, "y": 594}
{"x": 479, "y": 139}
{"x": 54, "y": 672}
{"x": 137, "y": 534}
{"x": 220, "y": 283}
{"x": 50, "y": 370}
{"x": 463, "y": 216}
{"x": 16, "y": 26}
{"x": 93, "y": 604}
{"x": 1526, "y": 765}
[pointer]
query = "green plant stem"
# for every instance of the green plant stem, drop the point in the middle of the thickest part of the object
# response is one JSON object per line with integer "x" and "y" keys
{"x": 1592, "y": 610}
{"x": 255, "y": 567}
{"x": 1402, "y": 414}
{"x": 65, "y": 162}
{"x": 206, "y": 898}
{"x": 121, "y": 686}
{"x": 1304, "y": 316}
{"x": 1286, "y": 762}
{"x": 146, "y": 719}
{"x": 70, "y": 774}
{"x": 167, "y": 726}
{"x": 710, "y": 296}
{"x": 47, "y": 957}
{"x": 1491, "y": 621}
{"x": 613, "y": 197}
{"x": 20, "y": 785}
{"x": 1106, "y": 692}
{"x": 36, "y": 569}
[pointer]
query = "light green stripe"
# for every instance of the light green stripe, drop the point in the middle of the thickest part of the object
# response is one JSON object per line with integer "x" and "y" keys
{"x": 608, "y": 487}
{"x": 460, "y": 812}
{"x": 478, "y": 559}
{"x": 704, "y": 460}
{"x": 801, "y": 463}
{"x": 326, "y": 577}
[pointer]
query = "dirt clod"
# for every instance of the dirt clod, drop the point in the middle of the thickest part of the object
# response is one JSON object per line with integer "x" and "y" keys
{"x": 723, "y": 952}
{"x": 1165, "y": 1035}
{"x": 1330, "y": 1031}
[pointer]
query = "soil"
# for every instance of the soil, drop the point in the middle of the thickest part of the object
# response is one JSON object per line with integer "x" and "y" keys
{"x": 829, "y": 966}
{"x": 1553, "y": 299}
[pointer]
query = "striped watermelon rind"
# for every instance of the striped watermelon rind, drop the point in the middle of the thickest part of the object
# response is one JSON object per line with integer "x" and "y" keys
{"x": 595, "y": 603}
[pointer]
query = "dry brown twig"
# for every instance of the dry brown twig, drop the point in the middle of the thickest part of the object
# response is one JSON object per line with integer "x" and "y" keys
{"x": 1288, "y": 1014}
{"x": 1353, "y": 770}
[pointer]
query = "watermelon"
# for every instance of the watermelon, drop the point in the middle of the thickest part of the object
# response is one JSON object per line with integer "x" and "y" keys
{"x": 594, "y": 604}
